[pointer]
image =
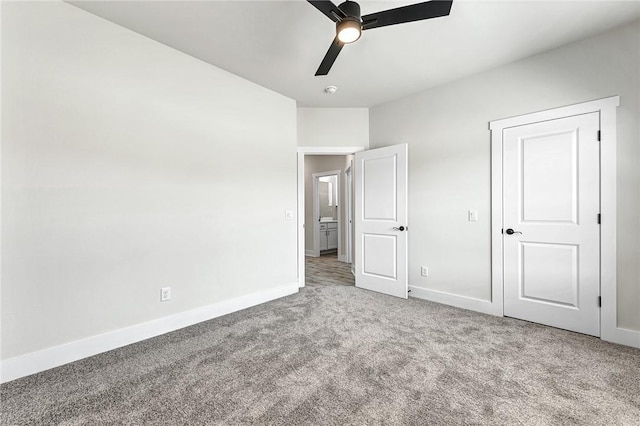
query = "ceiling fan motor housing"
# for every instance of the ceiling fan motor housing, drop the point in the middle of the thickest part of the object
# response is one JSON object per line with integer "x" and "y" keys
{"x": 351, "y": 9}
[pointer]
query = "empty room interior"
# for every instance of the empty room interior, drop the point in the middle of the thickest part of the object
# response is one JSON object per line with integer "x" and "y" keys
{"x": 311, "y": 212}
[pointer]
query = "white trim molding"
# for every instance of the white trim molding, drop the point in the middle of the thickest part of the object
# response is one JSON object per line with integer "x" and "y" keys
{"x": 606, "y": 108}
{"x": 348, "y": 201}
{"x": 327, "y": 150}
{"x": 464, "y": 302}
{"x": 45, "y": 359}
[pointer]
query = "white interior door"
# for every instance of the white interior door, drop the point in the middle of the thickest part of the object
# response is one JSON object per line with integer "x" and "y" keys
{"x": 381, "y": 220}
{"x": 551, "y": 235}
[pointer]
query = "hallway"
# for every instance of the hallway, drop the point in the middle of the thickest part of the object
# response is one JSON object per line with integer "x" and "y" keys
{"x": 327, "y": 270}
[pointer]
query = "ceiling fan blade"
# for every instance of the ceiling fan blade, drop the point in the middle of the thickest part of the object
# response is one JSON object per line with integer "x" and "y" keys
{"x": 414, "y": 12}
{"x": 329, "y": 9}
{"x": 330, "y": 57}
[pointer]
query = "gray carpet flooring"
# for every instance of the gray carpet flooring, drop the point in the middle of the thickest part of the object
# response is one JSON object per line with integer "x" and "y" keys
{"x": 334, "y": 354}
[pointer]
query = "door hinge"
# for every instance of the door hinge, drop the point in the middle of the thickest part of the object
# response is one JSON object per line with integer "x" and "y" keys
{"x": 599, "y": 135}
{"x": 599, "y": 301}
{"x": 502, "y": 231}
{"x": 599, "y": 218}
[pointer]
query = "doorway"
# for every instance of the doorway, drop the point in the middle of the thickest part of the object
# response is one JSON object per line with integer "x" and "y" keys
{"x": 553, "y": 217}
{"x": 380, "y": 206}
{"x": 329, "y": 161}
{"x": 328, "y": 212}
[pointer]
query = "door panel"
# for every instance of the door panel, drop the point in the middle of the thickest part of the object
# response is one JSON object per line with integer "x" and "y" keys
{"x": 379, "y": 253}
{"x": 550, "y": 273}
{"x": 380, "y": 220}
{"x": 551, "y": 201}
{"x": 549, "y": 177}
{"x": 379, "y": 188}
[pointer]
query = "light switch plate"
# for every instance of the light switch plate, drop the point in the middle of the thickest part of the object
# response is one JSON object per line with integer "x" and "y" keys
{"x": 288, "y": 215}
{"x": 473, "y": 215}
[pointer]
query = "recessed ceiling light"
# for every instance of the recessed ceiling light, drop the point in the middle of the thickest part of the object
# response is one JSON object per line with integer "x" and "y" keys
{"x": 330, "y": 90}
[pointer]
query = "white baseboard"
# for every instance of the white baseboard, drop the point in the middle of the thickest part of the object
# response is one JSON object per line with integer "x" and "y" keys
{"x": 311, "y": 253}
{"x": 470, "y": 303}
{"x": 35, "y": 362}
{"x": 342, "y": 258}
{"x": 621, "y": 336}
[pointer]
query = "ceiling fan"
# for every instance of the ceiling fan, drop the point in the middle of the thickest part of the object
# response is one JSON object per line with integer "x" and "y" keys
{"x": 349, "y": 23}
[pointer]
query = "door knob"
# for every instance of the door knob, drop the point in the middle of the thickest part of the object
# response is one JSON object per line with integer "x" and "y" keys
{"x": 511, "y": 232}
{"x": 399, "y": 228}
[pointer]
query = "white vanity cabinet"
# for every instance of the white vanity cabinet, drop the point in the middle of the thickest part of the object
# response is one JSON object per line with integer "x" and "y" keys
{"x": 328, "y": 235}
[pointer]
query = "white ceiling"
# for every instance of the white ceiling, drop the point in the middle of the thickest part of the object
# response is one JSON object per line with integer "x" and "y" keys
{"x": 279, "y": 44}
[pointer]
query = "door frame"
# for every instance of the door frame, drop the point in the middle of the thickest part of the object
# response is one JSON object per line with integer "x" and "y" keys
{"x": 608, "y": 284}
{"x": 316, "y": 208}
{"x": 311, "y": 150}
{"x": 348, "y": 200}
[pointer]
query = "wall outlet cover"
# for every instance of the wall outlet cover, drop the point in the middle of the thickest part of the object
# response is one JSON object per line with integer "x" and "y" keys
{"x": 165, "y": 294}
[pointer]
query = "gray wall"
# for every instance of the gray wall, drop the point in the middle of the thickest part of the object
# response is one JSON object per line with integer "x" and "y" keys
{"x": 333, "y": 127}
{"x": 449, "y": 156}
{"x": 128, "y": 166}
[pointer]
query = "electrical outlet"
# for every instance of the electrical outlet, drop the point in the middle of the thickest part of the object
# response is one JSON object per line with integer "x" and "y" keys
{"x": 165, "y": 294}
{"x": 424, "y": 271}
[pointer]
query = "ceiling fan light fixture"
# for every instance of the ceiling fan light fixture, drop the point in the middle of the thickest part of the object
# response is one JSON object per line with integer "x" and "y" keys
{"x": 350, "y": 23}
{"x": 348, "y": 30}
